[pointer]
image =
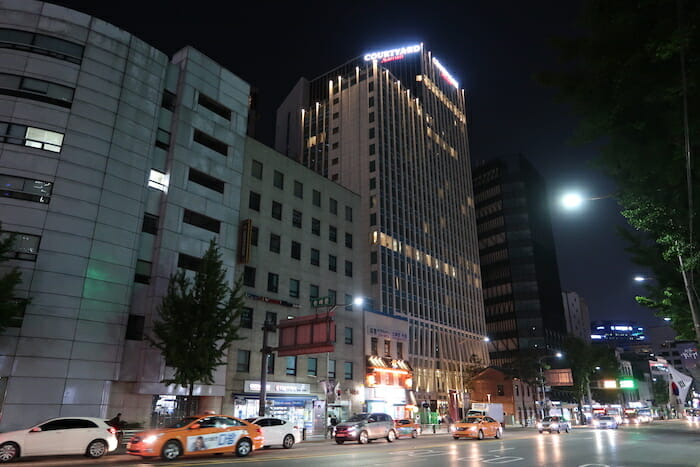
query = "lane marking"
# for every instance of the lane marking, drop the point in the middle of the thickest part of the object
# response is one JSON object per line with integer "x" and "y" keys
{"x": 500, "y": 450}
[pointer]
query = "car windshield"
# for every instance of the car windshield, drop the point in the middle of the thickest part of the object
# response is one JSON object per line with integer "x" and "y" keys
{"x": 471, "y": 420}
{"x": 606, "y": 419}
{"x": 251, "y": 420}
{"x": 550, "y": 419}
{"x": 358, "y": 417}
{"x": 183, "y": 422}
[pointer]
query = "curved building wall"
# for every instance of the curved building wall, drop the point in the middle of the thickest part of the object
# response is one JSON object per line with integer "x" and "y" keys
{"x": 82, "y": 125}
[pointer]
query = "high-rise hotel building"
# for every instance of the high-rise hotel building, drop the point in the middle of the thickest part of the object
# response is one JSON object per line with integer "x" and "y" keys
{"x": 392, "y": 127}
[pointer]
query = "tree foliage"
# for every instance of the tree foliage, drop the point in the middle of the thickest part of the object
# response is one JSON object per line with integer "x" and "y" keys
{"x": 10, "y": 304}
{"x": 198, "y": 321}
{"x": 624, "y": 79}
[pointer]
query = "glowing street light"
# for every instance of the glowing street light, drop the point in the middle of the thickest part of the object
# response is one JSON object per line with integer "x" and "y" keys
{"x": 571, "y": 200}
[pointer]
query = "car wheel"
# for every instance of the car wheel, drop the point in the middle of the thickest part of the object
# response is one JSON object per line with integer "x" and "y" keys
{"x": 288, "y": 442}
{"x": 456, "y": 437}
{"x": 499, "y": 433}
{"x": 541, "y": 431}
{"x": 558, "y": 431}
{"x": 414, "y": 434}
{"x": 481, "y": 434}
{"x": 567, "y": 429}
{"x": 8, "y": 452}
{"x": 171, "y": 450}
{"x": 391, "y": 436}
{"x": 96, "y": 448}
{"x": 340, "y": 441}
{"x": 243, "y": 447}
{"x": 363, "y": 438}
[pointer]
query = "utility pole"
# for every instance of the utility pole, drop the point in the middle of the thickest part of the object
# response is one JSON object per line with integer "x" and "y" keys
{"x": 266, "y": 352}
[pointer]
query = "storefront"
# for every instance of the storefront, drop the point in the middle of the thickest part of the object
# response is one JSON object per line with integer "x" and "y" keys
{"x": 387, "y": 386}
{"x": 288, "y": 401}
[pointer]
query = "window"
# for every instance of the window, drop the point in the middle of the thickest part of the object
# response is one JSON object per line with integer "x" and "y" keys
{"x": 256, "y": 169}
{"x": 201, "y": 221}
{"x": 291, "y": 366}
{"x": 134, "y": 328}
{"x": 335, "y": 130}
{"x": 208, "y": 181}
{"x": 191, "y": 263}
{"x": 373, "y": 257}
{"x": 149, "y": 224}
{"x": 210, "y": 142}
{"x": 348, "y": 213}
{"x": 276, "y": 210}
{"x": 249, "y": 276}
{"x": 158, "y": 180}
{"x": 371, "y": 101}
{"x": 278, "y": 180}
{"x": 399, "y": 350}
{"x": 315, "y": 226}
{"x": 246, "y": 318}
{"x": 374, "y": 277}
{"x": 348, "y": 300}
{"x": 271, "y": 318}
{"x": 373, "y": 219}
{"x": 372, "y": 166}
{"x": 213, "y": 106}
{"x": 332, "y": 263}
{"x": 517, "y": 389}
{"x": 347, "y": 367}
{"x": 316, "y": 199}
{"x": 271, "y": 364}
{"x": 387, "y": 348}
{"x": 243, "y": 362}
{"x": 254, "y": 236}
{"x": 374, "y": 346}
{"x": 372, "y": 133}
{"x": 312, "y": 366}
{"x": 334, "y": 146}
{"x": 162, "y": 139}
{"x": 296, "y": 219}
{"x": 293, "y": 288}
{"x": 272, "y": 282}
{"x": 500, "y": 390}
{"x": 332, "y": 296}
{"x": 12, "y": 133}
{"x": 26, "y": 189}
{"x": 331, "y": 368}
{"x": 143, "y": 272}
{"x": 313, "y": 291}
{"x": 296, "y": 250}
{"x": 371, "y": 117}
{"x": 348, "y": 240}
{"x": 41, "y": 44}
{"x": 372, "y": 149}
{"x": 298, "y": 189}
{"x": 348, "y": 335}
{"x": 254, "y": 201}
{"x": 348, "y": 268}
{"x": 333, "y": 206}
{"x": 332, "y": 233}
{"x": 372, "y": 183}
{"x": 275, "y": 243}
{"x": 336, "y": 115}
{"x": 169, "y": 100}
{"x": 315, "y": 257}
{"x": 370, "y": 86}
{"x": 36, "y": 89}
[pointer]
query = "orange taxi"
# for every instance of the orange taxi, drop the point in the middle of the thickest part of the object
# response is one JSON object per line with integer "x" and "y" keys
{"x": 477, "y": 427}
{"x": 196, "y": 435}
{"x": 407, "y": 427}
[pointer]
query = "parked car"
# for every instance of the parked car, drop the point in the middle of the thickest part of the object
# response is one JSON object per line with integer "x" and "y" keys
{"x": 92, "y": 437}
{"x": 631, "y": 419}
{"x": 554, "y": 424}
{"x": 605, "y": 421}
{"x": 277, "y": 431}
{"x": 364, "y": 427}
{"x": 477, "y": 427}
{"x": 201, "y": 434}
{"x": 407, "y": 427}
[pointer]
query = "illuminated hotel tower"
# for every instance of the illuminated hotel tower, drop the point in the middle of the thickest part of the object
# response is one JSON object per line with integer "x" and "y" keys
{"x": 392, "y": 126}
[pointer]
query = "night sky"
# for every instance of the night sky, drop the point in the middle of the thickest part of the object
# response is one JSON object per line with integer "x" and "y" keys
{"x": 493, "y": 48}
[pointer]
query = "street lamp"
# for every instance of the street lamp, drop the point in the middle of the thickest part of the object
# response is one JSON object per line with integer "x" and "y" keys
{"x": 542, "y": 385}
{"x": 576, "y": 200}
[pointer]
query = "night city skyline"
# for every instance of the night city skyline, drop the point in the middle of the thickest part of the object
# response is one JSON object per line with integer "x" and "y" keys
{"x": 494, "y": 52}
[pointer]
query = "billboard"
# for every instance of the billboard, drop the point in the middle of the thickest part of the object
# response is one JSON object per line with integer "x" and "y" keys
{"x": 306, "y": 334}
{"x": 559, "y": 377}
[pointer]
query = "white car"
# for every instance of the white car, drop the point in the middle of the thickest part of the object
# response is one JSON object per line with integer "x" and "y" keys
{"x": 277, "y": 431}
{"x": 92, "y": 437}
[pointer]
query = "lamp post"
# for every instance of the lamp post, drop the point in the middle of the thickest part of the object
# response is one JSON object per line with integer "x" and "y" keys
{"x": 543, "y": 402}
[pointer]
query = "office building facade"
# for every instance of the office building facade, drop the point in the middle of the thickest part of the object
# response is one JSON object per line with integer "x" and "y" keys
{"x": 578, "y": 321}
{"x": 118, "y": 165}
{"x": 522, "y": 295}
{"x": 391, "y": 126}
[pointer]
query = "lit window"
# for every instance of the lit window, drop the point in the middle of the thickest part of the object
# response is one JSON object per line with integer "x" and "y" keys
{"x": 158, "y": 180}
{"x": 43, "y": 139}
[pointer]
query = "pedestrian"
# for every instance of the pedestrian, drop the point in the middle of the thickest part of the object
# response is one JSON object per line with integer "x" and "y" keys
{"x": 115, "y": 421}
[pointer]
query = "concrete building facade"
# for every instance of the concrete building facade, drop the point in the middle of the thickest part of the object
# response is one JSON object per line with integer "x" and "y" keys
{"x": 578, "y": 321}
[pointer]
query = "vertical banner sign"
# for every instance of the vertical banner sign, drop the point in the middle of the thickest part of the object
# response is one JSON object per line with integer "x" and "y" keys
{"x": 245, "y": 232}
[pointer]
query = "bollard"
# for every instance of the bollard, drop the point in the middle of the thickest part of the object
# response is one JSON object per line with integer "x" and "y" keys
{"x": 303, "y": 434}
{"x": 433, "y": 428}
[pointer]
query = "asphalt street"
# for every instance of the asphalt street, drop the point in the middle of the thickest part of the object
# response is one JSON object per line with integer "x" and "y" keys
{"x": 668, "y": 443}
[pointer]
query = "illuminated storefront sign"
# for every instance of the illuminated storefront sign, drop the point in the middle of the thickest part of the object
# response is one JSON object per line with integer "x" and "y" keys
{"x": 279, "y": 388}
{"x": 392, "y": 54}
{"x": 627, "y": 384}
{"x": 609, "y": 384}
{"x": 445, "y": 74}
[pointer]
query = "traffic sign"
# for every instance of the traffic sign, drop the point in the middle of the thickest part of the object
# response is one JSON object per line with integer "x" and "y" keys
{"x": 321, "y": 301}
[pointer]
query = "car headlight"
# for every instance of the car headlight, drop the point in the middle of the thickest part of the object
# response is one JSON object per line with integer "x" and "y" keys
{"x": 554, "y": 426}
{"x": 352, "y": 428}
{"x": 152, "y": 439}
{"x": 539, "y": 425}
{"x": 472, "y": 428}
{"x": 453, "y": 428}
{"x": 596, "y": 423}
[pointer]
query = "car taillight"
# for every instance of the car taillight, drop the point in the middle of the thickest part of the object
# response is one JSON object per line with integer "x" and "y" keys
{"x": 258, "y": 431}
{"x": 112, "y": 430}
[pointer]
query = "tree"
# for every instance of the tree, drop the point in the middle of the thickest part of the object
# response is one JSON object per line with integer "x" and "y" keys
{"x": 632, "y": 79}
{"x": 10, "y": 304}
{"x": 198, "y": 322}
